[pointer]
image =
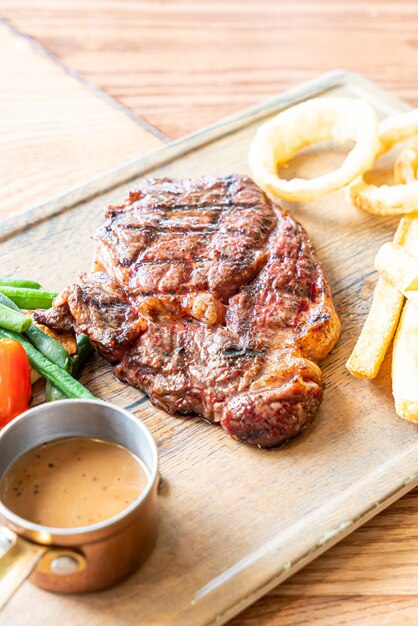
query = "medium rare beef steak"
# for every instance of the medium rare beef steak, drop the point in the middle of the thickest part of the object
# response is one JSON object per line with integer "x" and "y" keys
{"x": 212, "y": 302}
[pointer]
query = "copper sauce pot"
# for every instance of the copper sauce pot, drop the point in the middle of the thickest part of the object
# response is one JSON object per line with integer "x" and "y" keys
{"x": 89, "y": 558}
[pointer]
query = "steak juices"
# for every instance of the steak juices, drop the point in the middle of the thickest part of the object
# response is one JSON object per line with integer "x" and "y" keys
{"x": 72, "y": 482}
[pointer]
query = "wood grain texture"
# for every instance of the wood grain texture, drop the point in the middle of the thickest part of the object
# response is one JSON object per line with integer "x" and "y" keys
{"x": 295, "y": 498}
{"x": 183, "y": 64}
{"x": 367, "y": 579}
{"x": 275, "y": 610}
{"x": 54, "y": 133}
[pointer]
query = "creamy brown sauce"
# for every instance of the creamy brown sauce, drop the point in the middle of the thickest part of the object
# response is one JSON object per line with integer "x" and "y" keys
{"x": 73, "y": 481}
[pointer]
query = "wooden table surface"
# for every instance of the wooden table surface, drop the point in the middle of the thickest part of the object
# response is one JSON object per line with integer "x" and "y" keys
{"x": 88, "y": 85}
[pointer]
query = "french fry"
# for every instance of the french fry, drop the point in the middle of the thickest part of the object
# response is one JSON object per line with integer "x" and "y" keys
{"x": 383, "y": 318}
{"x": 405, "y": 345}
{"x": 407, "y": 234}
{"x": 400, "y": 268}
{"x": 378, "y": 331}
{"x": 405, "y": 364}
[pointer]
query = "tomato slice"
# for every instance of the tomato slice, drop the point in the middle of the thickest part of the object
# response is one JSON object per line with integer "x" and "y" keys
{"x": 15, "y": 385}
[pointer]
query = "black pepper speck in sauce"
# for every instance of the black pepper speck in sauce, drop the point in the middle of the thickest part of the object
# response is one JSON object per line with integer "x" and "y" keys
{"x": 73, "y": 481}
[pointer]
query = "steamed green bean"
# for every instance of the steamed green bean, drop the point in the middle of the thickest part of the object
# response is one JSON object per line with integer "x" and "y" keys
{"x": 84, "y": 349}
{"x": 50, "y": 348}
{"x": 13, "y": 320}
{"x": 28, "y": 298}
{"x": 20, "y": 282}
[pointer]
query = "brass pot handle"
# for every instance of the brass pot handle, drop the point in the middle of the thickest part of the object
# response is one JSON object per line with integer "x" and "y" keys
{"x": 18, "y": 558}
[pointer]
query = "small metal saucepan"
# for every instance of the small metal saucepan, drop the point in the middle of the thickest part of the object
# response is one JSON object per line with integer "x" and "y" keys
{"x": 89, "y": 558}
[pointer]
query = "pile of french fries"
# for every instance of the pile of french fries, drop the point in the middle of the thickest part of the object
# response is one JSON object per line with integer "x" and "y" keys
{"x": 394, "y": 310}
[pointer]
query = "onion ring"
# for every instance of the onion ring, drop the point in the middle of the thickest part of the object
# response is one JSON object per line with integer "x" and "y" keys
{"x": 403, "y": 196}
{"x": 406, "y": 166}
{"x": 320, "y": 119}
{"x": 386, "y": 199}
{"x": 396, "y": 128}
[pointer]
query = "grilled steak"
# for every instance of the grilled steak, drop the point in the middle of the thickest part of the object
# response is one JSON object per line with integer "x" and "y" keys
{"x": 212, "y": 302}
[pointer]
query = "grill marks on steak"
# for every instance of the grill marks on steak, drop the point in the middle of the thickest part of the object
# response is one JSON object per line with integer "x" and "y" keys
{"x": 288, "y": 303}
{"x": 167, "y": 239}
{"x": 212, "y": 249}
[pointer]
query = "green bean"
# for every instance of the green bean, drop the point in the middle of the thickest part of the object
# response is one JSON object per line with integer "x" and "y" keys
{"x": 52, "y": 393}
{"x": 50, "y": 348}
{"x": 5, "y": 301}
{"x": 28, "y": 298}
{"x": 58, "y": 377}
{"x": 54, "y": 351}
{"x": 12, "y": 320}
{"x": 84, "y": 349}
{"x": 19, "y": 282}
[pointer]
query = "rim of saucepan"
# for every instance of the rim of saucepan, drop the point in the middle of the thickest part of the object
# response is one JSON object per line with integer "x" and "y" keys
{"x": 78, "y": 530}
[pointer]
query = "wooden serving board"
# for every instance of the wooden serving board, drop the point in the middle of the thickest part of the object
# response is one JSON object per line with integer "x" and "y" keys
{"x": 235, "y": 520}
